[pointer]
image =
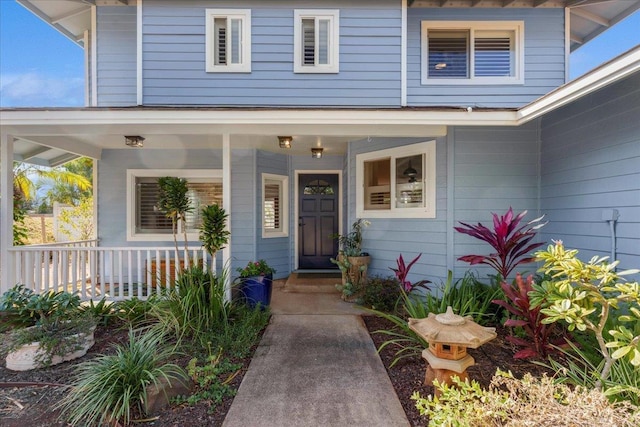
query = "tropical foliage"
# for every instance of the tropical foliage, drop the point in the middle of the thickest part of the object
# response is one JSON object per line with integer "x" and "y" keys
{"x": 402, "y": 271}
{"x": 585, "y": 296}
{"x": 541, "y": 338}
{"x": 510, "y": 240}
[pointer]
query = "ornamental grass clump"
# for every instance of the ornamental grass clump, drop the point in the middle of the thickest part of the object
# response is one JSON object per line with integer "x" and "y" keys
{"x": 112, "y": 389}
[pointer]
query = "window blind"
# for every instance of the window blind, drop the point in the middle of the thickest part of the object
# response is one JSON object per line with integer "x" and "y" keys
{"x": 493, "y": 53}
{"x": 220, "y": 25}
{"x": 272, "y": 208}
{"x": 149, "y": 219}
{"x": 448, "y": 54}
{"x": 308, "y": 41}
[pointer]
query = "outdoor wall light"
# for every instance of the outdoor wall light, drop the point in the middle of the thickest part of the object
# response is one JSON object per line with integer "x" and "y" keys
{"x": 285, "y": 141}
{"x": 316, "y": 153}
{"x": 134, "y": 141}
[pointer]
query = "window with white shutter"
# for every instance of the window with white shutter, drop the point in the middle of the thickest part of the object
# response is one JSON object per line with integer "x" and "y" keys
{"x": 145, "y": 221}
{"x": 275, "y": 206}
{"x": 316, "y": 41}
{"x": 460, "y": 52}
{"x": 228, "y": 40}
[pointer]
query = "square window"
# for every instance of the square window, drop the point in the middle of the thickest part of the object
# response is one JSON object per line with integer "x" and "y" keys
{"x": 275, "y": 206}
{"x": 145, "y": 222}
{"x": 228, "y": 40}
{"x": 397, "y": 182}
{"x": 316, "y": 41}
{"x": 459, "y": 52}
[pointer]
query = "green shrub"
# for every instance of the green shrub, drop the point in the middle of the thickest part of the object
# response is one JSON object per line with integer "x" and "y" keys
{"x": 112, "y": 388}
{"x": 136, "y": 312}
{"x": 195, "y": 306}
{"x": 212, "y": 379}
{"x": 382, "y": 293}
{"x": 529, "y": 401}
{"x": 102, "y": 311}
{"x": 466, "y": 296}
{"x": 24, "y": 307}
{"x": 240, "y": 332}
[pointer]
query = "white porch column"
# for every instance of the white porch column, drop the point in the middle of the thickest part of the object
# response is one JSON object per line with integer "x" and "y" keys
{"x": 226, "y": 203}
{"x": 6, "y": 209}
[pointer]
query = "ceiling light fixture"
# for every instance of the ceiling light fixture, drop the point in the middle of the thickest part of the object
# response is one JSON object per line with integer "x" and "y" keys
{"x": 134, "y": 141}
{"x": 285, "y": 141}
{"x": 316, "y": 153}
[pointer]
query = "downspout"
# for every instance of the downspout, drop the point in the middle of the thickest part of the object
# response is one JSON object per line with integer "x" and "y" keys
{"x": 611, "y": 216}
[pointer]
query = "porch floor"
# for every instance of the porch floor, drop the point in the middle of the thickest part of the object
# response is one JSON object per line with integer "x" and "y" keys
{"x": 308, "y": 297}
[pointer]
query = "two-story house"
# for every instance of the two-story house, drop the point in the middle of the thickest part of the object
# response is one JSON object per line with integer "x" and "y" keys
{"x": 301, "y": 116}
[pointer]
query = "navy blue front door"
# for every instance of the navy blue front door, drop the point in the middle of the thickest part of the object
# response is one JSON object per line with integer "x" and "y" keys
{"x": 318, "y": 220}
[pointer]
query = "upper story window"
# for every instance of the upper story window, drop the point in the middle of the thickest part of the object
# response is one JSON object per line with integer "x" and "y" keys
{"x": 461, "y": 52}
{"x": 316, "y": 41}
{"x": 228, "y": 40}
{"x": 397, "y": 182}
{"x": 145, "y": 222}
{"x": 275, "y": 206}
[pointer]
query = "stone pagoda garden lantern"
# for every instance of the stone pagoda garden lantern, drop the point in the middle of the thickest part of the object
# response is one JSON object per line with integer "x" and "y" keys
{"x": 449, "y": 336}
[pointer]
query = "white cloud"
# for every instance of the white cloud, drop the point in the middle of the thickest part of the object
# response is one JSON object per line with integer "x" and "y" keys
{"x": 33, "y": 89}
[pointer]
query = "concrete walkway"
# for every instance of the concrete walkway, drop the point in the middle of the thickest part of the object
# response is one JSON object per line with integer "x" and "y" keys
{"x": 316, "y": 370}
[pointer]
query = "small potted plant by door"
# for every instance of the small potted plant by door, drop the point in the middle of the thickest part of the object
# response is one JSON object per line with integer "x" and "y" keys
{"x": 352, "y": 262}
{"x": 256, "y": 280}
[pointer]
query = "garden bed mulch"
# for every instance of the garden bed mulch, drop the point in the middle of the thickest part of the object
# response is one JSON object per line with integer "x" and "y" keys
{"x": 34, "y": 406}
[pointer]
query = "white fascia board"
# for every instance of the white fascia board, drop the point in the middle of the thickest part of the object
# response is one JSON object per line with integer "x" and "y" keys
{"x": 607, "y": 73}
{"x": 67, "y": 117}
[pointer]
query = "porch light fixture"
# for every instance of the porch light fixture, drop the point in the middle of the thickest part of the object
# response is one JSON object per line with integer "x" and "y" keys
{"x": 410, "y": 172}
{"x": 134, "y": 141}
{"x": 285, "y": 141}
{"x": 316, "y": 152}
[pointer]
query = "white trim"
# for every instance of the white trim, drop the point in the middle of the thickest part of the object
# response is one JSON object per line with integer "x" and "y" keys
{"x": 139, "y": 80}
{"x": 87, "y": 67}
{"x": 296, "y": 213}
{"x": 428, "y": 149}
{"x": 6, "y": 207}
{"x": 95, "y": 187}
{"x": 516, "y": 26}
{"x": 608, "y": 73}
{"x": 132, "y": 174}
{"x": 245, "y": 16}
{"x": 94, "y": 57}
{"x": 283, "y": 182}
{"x": 334, "y": 40}
{"x": 567, "y": 43}
{"x": 403, "y": 56}
{"x": 226, "y": 204}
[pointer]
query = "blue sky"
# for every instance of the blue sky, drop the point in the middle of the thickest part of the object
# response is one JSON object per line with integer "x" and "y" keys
{"x": 40, "y": 67}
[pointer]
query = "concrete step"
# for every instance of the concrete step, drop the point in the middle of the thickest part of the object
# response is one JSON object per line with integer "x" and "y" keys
{"x": 313, "y": 282}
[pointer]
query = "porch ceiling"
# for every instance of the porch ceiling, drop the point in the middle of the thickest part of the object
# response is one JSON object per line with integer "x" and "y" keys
{"x": 52, "y": 137}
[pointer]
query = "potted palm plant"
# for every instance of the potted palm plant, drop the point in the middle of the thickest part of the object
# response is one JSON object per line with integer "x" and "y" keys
{"x": 256, "y": 280}
{"x": 352, "y": 261}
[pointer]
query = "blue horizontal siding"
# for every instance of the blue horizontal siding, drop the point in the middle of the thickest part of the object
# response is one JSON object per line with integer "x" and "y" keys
{"x": 590, "y": 164}
{"x": 544, "y": 51}
{"x": 116, "y": 56}
{"x": 174, "y": 57}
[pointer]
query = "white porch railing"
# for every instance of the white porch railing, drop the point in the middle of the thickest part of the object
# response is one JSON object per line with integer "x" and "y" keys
{"x": 99, "y": 272}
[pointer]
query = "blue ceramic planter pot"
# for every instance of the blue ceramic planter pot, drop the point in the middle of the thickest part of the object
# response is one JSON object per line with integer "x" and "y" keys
{"x": 256, "y": 290}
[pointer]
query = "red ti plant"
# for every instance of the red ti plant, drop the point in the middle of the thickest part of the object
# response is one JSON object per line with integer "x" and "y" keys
{"x": 510, "y": 241}
{"x": 403, "y": 271}
{"x": 541, "y": 338}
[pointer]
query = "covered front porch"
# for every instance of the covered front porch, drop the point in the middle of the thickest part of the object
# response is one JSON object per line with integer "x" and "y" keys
{"x": 234, "y": 147}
